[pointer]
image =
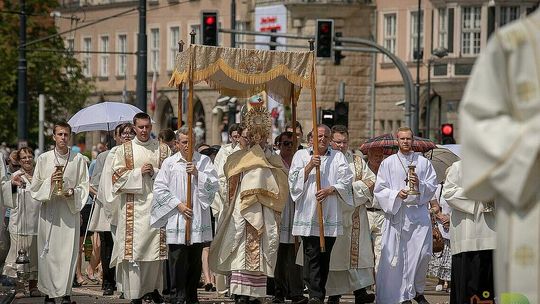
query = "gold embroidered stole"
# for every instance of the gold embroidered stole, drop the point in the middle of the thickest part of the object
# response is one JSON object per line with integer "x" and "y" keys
{"x": 130, "y": 205}
{"x": 355, "y": 231}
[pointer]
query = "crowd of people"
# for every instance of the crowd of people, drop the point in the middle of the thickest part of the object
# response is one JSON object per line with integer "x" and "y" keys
{"x": 243, "y": 216}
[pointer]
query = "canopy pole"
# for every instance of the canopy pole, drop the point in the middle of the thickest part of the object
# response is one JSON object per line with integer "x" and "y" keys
{"x": 293, "y": 117}
{"x": 190, "y": 140}
{"x": 180, "y": 91}
{"x": 316, "y": 145}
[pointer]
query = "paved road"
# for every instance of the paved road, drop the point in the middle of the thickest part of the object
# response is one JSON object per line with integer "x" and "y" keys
{"x": 92, "y": 294}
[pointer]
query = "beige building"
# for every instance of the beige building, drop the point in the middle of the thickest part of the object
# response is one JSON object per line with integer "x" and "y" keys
{"x": 170, "y": 20}
{"x": 461, "y": 27}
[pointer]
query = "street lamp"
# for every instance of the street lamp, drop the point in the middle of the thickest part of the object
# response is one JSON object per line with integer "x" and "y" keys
{"x": 437, "y": 53}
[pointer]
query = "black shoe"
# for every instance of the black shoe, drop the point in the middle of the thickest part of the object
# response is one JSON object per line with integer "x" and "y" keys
{"x": 299, "y": 300}
{"x": 66, "y": 300}
{"x": 240, "y": 299}
{"x": 208, "y": 287}
{"x": 407, "y": 302}
{"x": 420, "y": 299}
{"x": 136, "y": 301}
{"x": 156, "y": 297}
{"x": 278, "y": 300}
{"x": 121, "y": 296}
{"x": 362, "y": 297}
{"x": 48, "y": 300}
{"x": 333, "y": 299}
{"x": 109, "y": 291}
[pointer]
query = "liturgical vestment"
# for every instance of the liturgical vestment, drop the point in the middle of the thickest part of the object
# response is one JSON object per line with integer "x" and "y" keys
{"x": 500, "y": 116}
{"x": 59, "y": 220}
{"x": 138, "y": 248}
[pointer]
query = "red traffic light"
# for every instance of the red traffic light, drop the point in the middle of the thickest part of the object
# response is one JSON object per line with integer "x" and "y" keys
{"x": 447, "y": 129}
{"x": 325, "y": 27}
{"x": 209, "y": 20}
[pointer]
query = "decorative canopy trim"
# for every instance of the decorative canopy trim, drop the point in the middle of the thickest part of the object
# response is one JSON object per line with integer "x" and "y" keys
{"x": 245, "y": 72}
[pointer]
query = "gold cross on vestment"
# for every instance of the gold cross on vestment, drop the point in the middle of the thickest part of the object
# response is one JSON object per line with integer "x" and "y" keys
{"x": 524, "y": 255}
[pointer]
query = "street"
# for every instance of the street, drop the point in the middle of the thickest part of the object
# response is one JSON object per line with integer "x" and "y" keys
{"x": 93, "y": 294}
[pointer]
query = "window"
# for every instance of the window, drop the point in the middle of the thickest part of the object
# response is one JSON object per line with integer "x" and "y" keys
{"x": 414, "y": 32}
{"x": 508, "y": 14}
{"x": 87, "y": 57}
{"x": 389, "y": 34}
{"x": 443, "y": 28}
{"x": 104, "y": 58}
{"x": 121, "y": 59}
{"x": 70, "y": 44}
{"x": 154, "y": 50}
{"x": 197, "y": 29}
{"x": 174, "y": 35}
{"x": 470, "y": 30}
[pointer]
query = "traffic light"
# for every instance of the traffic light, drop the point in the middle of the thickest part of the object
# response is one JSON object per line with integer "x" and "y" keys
{"x": 341, "y": 113}
{"x": 327, "y": 117}
{"x": 325, "y": 34}
{"x": 210, "y": 28}
{"x": 337, "y": 53}
{"x": 447, "y": 134}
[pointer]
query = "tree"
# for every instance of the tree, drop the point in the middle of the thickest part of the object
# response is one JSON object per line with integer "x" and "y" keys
{"x": 57, "y": 74}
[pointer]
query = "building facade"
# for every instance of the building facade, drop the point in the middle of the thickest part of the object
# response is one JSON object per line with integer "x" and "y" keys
{"x": 452, "y": 35}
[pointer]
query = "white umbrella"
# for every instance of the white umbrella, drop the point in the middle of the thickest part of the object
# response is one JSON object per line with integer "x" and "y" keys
{"x": 102, "y": 116}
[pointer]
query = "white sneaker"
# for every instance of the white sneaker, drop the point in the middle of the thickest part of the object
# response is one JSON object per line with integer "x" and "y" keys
{"x": 438, "y": 287}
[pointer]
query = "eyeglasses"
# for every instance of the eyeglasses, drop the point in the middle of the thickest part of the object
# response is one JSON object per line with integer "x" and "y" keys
{"x": 287, "y": 143}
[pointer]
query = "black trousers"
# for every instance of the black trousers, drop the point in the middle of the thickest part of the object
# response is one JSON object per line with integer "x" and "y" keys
{"x": 185, "y": 265}
{"x": 316, "y": 265}
{"x": 287, "y": 275}
{"x": 472, "y": 275}
{"x": 106, "y": 249}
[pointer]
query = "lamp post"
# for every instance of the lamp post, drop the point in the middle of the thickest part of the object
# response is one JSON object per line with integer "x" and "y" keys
{"x": 439, "y": 52}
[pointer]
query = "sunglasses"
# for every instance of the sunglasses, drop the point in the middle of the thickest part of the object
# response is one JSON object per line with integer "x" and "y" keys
{"x": 287, "y": 143}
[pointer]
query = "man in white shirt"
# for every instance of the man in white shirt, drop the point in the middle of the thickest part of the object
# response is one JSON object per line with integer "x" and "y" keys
{"x": 170, "y": 210}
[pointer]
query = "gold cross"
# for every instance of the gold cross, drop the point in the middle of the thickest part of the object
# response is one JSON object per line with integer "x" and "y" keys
{"x": 524, "y": 255}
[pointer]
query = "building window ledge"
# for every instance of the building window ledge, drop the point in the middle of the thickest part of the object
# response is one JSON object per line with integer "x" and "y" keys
{"x": 103, "y": 78}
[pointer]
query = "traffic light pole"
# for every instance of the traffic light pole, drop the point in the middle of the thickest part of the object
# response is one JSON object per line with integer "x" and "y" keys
{"x": 22, "y": 96}
{"x": 141, "y": 58}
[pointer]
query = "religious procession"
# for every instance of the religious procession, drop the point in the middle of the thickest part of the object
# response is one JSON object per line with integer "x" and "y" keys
{"x": 290, "y": 219}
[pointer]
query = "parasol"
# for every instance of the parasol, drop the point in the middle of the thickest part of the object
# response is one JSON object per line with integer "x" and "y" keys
{"x": 104, "y": 116}
{"x": 388, "y": 142}
{"x": 441, "y": 159}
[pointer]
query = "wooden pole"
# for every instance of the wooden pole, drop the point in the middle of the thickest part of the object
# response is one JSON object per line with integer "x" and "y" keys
{"x": 316, "y": 145}
{"x": 190, "y": 139}
{"x": 293, "y": 117}
{"x": 180, "y": 91}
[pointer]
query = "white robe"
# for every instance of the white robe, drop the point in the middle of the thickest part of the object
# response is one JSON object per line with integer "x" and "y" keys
{"x": 407, "y": 240}
{"x": 109, "y": 200}
{"x": 335, "y": 172}
{"x": 500, "y": 127}
{"x": 59, "y": 221}
{"x": 98, "y": 220}
{"x": 5, "y": 195}
{"x": 23, "y": 228}
{"x": 219, "y": 162}
{"x": 170, "y": 188}
{"x": 352, "y": 260}
{"x": 138, "y": 248}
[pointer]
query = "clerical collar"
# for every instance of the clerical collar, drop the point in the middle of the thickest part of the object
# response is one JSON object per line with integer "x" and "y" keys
{"x": 327, "y": 153}
{"x": 142, "y": 143}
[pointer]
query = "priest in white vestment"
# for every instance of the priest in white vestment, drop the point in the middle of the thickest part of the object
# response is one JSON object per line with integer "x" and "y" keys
{"x": 352, "y": 260}
{"x": 59, "y": 217}
{"x": 170, "y": 210}
{"x": 336, "y": 179}
{"x": 472, "y": 238}
{"x": 500, "y": 132}
{"x": 247, "y": 236}
{"x": 139, "y": 250}
{"x": 407, "y": 240}
{"x": 23, "y": 224}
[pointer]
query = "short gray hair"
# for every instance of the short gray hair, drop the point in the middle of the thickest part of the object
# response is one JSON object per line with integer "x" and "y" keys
{"x": 183, "y": 130}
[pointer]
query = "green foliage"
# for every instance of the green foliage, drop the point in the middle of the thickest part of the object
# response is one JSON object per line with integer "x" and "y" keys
{"x": 58, "y": 75}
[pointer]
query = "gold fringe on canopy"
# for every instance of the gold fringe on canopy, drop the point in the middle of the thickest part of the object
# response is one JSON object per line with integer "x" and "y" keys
{"x": 245, "y": 72}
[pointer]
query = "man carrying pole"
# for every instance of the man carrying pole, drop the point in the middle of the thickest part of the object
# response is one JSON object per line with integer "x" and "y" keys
{"x": 335, "y": 179}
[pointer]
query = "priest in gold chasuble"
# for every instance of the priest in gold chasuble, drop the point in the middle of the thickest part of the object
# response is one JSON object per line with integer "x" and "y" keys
{"x": 247, "y": 237}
